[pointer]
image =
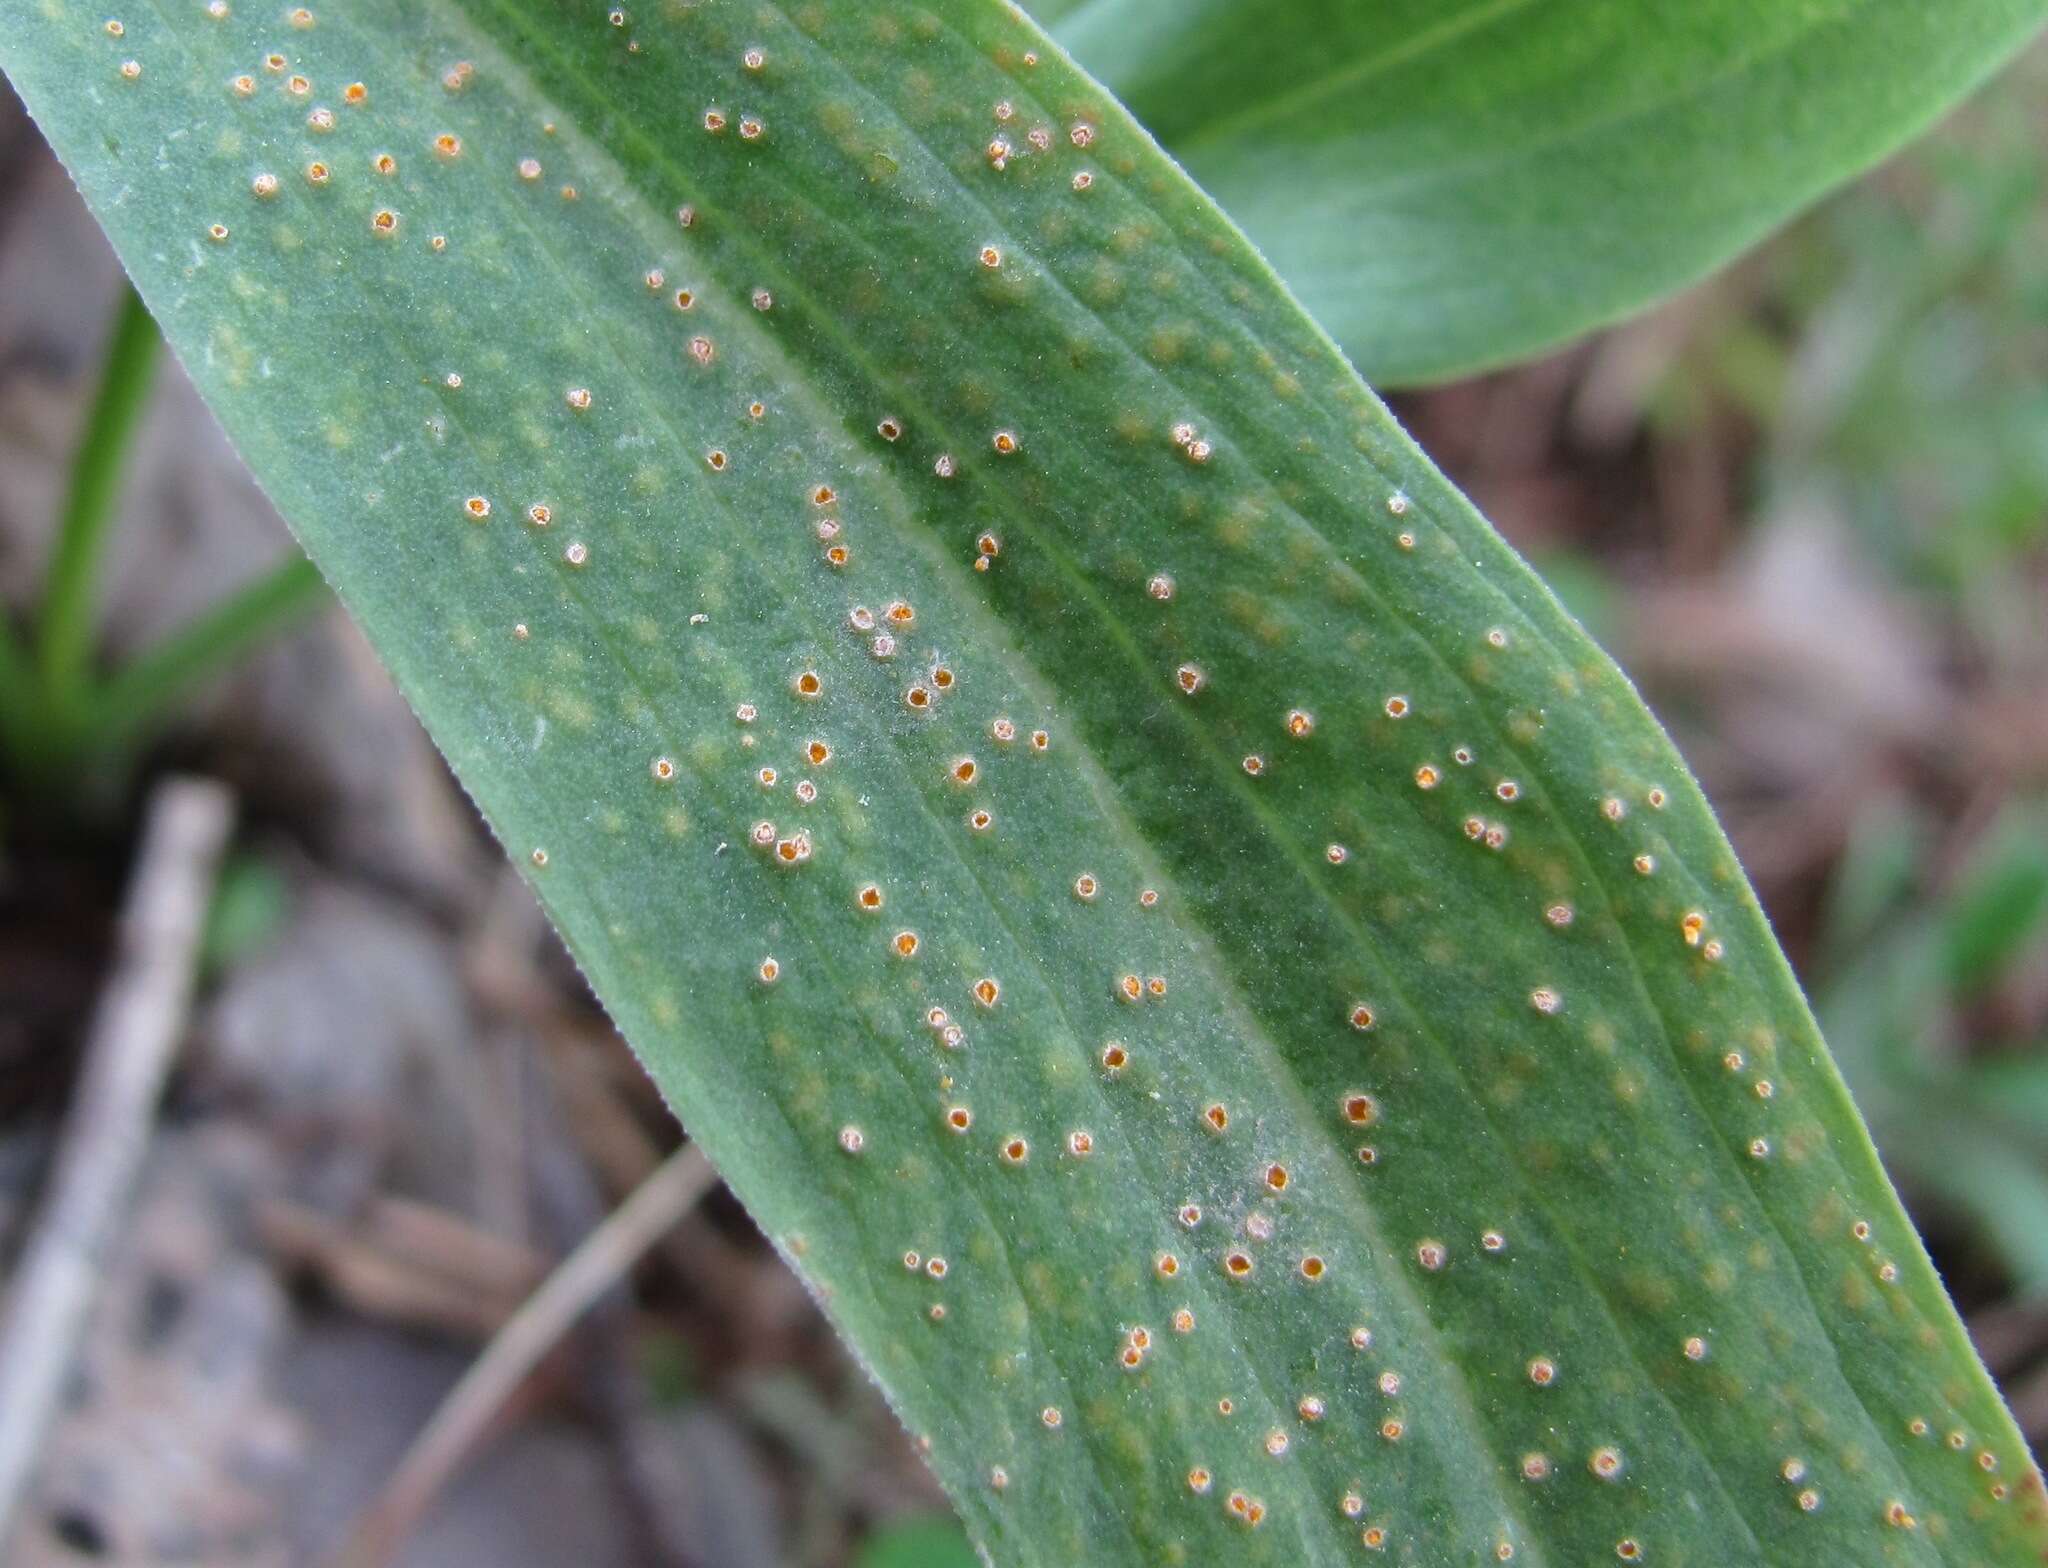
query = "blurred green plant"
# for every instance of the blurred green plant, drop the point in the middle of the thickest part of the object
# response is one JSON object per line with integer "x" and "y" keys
{"x": 251, "y": 902}
{"x": 918, "y": 1543}
{"x": 68, "y": 730}
{"x": 1901, "y": 966}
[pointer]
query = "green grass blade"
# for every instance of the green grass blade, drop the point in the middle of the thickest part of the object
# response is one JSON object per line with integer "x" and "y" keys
{"x": 148, "y": 690}
{"x": 1448, "y": 184}
{"x": 64, "y": 632}
{"x": 1356, "y": 1124}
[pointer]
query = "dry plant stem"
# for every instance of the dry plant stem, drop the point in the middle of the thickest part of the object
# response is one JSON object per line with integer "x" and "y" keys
{"x": 446, "y": 1440}
{"x": 127, "y": 1056}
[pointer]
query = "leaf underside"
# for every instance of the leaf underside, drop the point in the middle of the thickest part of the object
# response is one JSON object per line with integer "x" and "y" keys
{"x": 1448, "y": 184}
{"x": 1386, "y": 1115}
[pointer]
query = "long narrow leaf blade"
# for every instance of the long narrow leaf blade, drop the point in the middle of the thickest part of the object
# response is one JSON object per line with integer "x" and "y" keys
{"x": 1448, "y": 184}
{"x": 1223, "y": 990}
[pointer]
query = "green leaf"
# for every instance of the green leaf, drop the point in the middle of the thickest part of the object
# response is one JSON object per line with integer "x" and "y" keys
{"x": 1312, "y": 901}
{"x": 1448, "y": 184}
{"x": 920, "y": 1543}
{"x": 2001, "y": 908}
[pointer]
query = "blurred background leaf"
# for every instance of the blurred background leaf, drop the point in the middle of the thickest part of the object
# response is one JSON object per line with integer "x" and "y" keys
{"x": 1450, "y": 184}
{"x": 921, "y": 1543}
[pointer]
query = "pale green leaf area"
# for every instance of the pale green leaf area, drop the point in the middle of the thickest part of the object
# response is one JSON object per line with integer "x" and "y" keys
{"x": 1447, "y": 184}
{"x": 1317, "y": 1080}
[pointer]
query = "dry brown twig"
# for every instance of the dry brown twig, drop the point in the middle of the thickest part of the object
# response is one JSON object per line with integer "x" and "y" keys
{"x": 128, "y": 1052}
{"x": 605, "y": 1255}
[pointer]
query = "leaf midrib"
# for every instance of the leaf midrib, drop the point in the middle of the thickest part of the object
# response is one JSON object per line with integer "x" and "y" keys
{"x": 1296, "y": 855}
{"x": 1482, "y": 1432}
{"x": 629, "y": 672}
{"x": 1363, "y": 69}
{"x": 1222, "y": 1298}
